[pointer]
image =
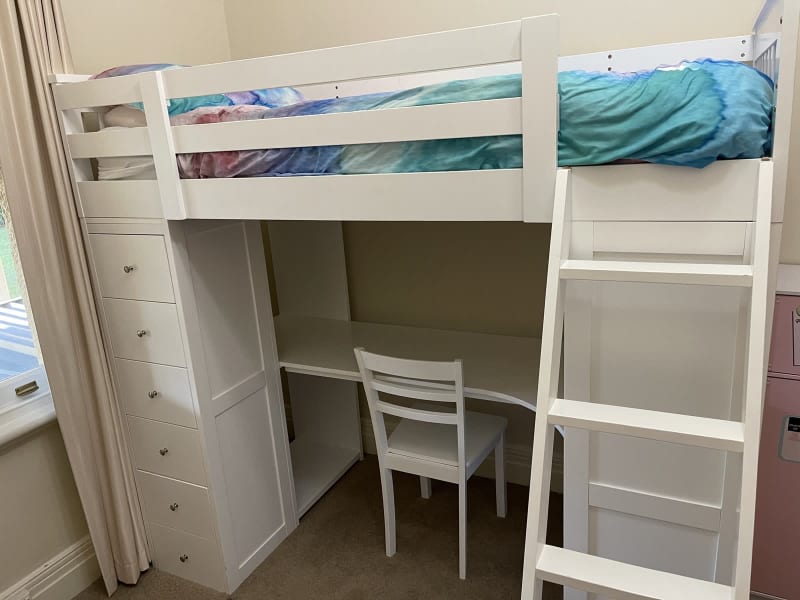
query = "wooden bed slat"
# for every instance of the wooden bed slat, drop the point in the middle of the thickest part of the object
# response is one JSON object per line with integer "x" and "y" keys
{"x": 471, "y": 47}
{"x": 488, "y": 195}
{"x": 120, "y": 199}
{"x": 133, "y": 141}
{"x": 439, "y": 121}
{"x": 97, "y": 92}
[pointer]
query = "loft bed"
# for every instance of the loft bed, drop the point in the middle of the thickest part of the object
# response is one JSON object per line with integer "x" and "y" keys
{"x": 213, "y": 300}
{"x": 516, "y": 193}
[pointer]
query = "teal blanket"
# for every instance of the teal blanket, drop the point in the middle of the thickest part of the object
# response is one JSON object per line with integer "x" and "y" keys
{"x": 690, "y": 114}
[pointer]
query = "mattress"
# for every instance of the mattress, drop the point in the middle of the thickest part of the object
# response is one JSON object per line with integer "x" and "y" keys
{"x": 688, "y": 115}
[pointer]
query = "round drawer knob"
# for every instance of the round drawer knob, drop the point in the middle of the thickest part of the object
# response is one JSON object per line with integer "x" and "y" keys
{"x": 152, "y": 394}
{"x": 141, "y": 333}
{"x": 184, "y": 557}
{"x": 174, "y": 506}
{"x": 163, "y": 451}
{"x": 129, "y": 268}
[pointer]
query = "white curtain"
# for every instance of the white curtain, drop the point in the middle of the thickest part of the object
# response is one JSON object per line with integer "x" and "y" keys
{"x": 32, "y": 46}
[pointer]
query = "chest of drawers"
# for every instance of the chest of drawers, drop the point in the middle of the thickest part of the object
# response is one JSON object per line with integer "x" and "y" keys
{"x": 159, "y": 293}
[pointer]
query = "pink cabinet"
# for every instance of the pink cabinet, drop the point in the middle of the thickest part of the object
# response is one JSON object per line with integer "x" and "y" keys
{"x": 777, "y": 524}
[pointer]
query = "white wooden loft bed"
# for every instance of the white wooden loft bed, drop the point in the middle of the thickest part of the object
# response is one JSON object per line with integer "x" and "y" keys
{"x": 181, "y": 282}
{"x": 515, "y": 194}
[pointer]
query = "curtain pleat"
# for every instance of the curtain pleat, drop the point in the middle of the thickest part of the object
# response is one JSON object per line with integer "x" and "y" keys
{"x": 33, "y": 45}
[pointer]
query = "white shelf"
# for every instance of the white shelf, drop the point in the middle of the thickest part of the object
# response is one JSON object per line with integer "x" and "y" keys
{"x": 316, "y": 467}
{"x": 496, "y": 367}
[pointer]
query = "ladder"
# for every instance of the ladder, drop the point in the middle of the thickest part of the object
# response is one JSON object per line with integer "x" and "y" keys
{"x": 608, "y": 577}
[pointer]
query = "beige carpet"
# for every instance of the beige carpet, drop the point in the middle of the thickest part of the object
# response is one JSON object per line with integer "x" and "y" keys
{"x": 337, "y": 552}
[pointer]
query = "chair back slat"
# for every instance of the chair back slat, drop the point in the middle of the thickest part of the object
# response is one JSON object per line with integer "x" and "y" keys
{"x": 417, "y": 414}
{"x": 417, "y": 392}
{"x": 411, "y": 369}
{"x": 438, "y": 383}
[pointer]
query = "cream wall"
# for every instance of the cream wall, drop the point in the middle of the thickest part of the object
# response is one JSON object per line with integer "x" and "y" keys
{"x": 107, "y": 33}
{"x": 40, "y": 514}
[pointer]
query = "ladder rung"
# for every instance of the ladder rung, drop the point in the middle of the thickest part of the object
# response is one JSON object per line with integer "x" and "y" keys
{"x": 620, "y": 580}
{"x": 668, "y": 427}
{"x": 653, "y": 272}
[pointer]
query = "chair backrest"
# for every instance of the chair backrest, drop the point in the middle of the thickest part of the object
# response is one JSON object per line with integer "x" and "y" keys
{"x": 430, "y": 381}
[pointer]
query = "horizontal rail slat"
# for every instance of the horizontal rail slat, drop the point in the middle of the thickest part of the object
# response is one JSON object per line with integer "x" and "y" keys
{"x": 490, "y": 44}
{"x": 416, "y": 414}
{"x": 121, "y": 199}
{"x": 97, "y": 92}
{"x": 488, "y": 195}
{"x": 132, "y": 141}
{"x": 439, "y": 121}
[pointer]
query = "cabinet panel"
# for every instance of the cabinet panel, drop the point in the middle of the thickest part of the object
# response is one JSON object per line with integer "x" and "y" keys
{"x": 145, "y": 331}
{"x": 132, "y": 266}
{"x": 156, "y": 392}
{"x": 167, "y": 450}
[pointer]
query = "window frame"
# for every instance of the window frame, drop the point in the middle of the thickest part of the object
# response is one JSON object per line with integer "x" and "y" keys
{"x": 20, "y": 415}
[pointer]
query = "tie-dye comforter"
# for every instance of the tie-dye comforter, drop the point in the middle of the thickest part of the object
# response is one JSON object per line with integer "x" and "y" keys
{"x": 690, "y": 115}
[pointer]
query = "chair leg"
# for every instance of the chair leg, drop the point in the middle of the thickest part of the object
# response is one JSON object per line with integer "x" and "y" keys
{"x": 462, "y": 530}
{"x": 387, "y": 486}
{"x": 425, "y": 487}
{"x": 500, "y": 476}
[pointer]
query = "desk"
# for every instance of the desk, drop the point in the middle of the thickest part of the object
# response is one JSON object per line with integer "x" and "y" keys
{"x": 496, "y": 367}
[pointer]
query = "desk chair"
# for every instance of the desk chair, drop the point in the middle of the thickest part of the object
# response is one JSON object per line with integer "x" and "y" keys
{"x": 438, "y": 440}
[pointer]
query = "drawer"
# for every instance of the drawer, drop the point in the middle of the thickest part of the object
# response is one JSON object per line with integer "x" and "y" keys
{"x": 132, "y": 266}
{"x": 201, "y": 562}
{"x": 145, "y": 331}
{"x": 176, "y": 504}
{"x": 784, "y": 356}
{"x": 156, "y": 392}
{"x": 167, "y": 450}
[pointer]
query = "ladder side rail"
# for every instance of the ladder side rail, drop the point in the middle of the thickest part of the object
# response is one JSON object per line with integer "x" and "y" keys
{"x": 755, "y": 374}
{"x": 549, "y": 368}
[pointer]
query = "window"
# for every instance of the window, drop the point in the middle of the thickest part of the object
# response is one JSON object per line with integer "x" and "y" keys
{"x": 25, "y": 400}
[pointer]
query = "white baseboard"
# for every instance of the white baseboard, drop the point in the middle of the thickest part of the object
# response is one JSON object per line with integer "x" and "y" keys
{"x": 60, "y": 578}
{"x": 518, "y": 461}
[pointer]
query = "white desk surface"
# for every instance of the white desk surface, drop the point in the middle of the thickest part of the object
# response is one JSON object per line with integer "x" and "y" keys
{"x": 496, "y": 367}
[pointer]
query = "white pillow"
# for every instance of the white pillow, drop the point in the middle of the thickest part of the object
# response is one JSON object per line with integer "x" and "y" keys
{"x": 124, "y": 116}
{"x": 125, "y": 167}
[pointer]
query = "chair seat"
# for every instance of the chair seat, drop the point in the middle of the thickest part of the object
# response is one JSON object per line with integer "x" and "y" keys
{"x": 439, "y": 443}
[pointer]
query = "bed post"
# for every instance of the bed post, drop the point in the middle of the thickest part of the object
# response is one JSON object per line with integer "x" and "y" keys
{"x": 163, "y": 147}
{"x": 539, "y": 52}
